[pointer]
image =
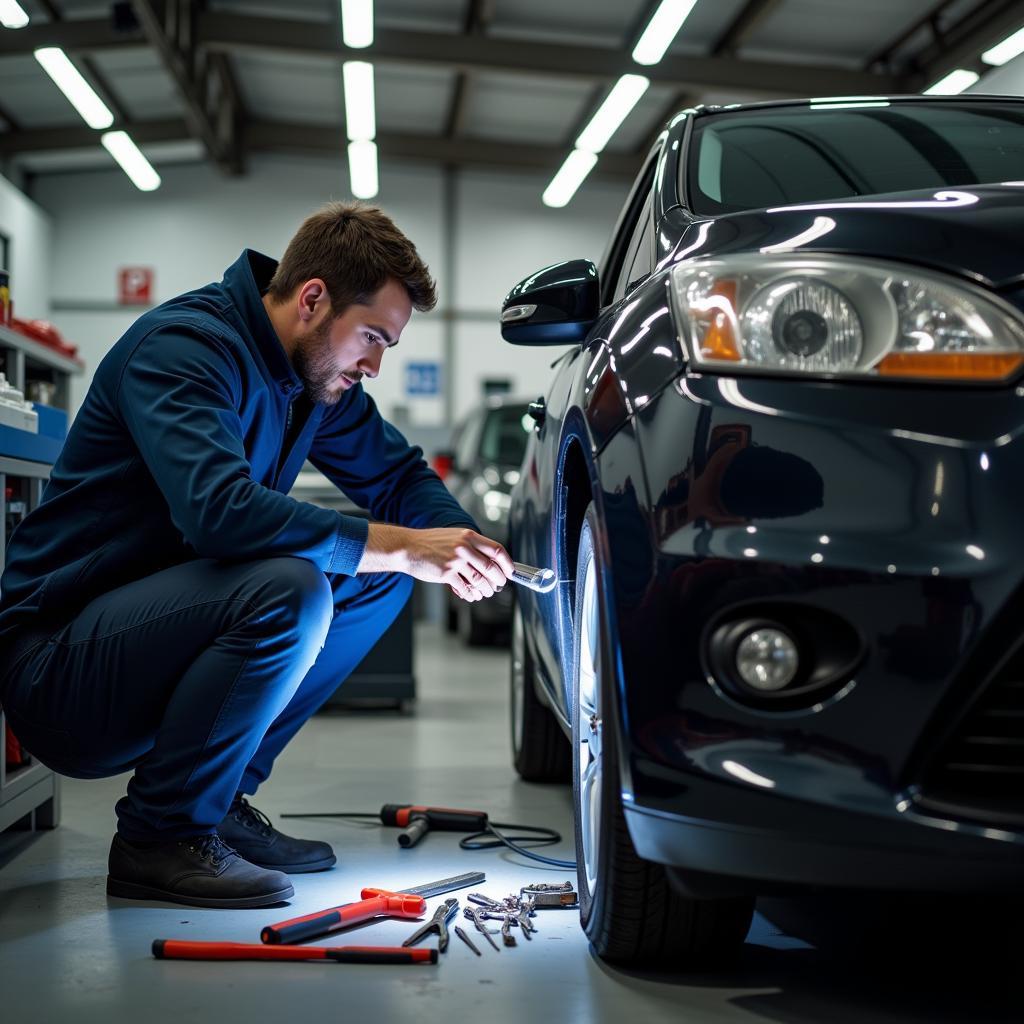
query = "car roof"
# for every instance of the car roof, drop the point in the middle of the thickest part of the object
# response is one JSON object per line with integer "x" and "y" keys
{"x": 704, "y": 110}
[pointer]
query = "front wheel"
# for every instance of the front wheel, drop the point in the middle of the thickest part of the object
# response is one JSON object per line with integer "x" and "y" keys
{"x": 628, "y": 908}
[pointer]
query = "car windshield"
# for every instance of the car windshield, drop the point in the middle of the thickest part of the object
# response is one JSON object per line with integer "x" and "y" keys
{"x": 505, "y": 434}
{"x": 779, "y": 156}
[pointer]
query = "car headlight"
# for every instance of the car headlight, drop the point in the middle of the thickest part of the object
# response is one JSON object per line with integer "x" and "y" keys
{"x": 828, "y": 315}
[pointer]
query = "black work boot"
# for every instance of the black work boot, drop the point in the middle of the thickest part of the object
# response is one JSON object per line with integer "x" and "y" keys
{"x": 199, "y": 872}
{"x": 249, "y": 831}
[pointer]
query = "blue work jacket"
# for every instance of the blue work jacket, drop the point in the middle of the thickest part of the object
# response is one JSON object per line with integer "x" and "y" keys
{"x": 188, "y": 442}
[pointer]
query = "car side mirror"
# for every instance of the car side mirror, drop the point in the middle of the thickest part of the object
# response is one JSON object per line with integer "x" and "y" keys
{"x": 556, "y": 306}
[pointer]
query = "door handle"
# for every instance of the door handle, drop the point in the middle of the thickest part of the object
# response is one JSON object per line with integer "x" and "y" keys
{"x": 537, "y": 411}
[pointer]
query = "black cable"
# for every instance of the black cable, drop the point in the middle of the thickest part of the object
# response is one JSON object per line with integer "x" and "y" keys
{"x": 543, "y": 837}
{"x": 477, "y": 841}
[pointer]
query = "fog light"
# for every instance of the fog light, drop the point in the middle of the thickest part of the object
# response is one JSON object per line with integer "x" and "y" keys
{"x": 767, "y": 659}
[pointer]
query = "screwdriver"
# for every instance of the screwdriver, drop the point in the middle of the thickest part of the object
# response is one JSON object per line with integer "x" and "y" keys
{"x": 180, "y": 949}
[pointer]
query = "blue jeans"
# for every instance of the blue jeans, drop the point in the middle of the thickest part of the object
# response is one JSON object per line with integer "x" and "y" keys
{"x": 196, "y": 677}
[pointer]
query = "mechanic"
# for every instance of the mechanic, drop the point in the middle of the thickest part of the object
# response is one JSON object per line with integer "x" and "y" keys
{"x": 168, "y": 609}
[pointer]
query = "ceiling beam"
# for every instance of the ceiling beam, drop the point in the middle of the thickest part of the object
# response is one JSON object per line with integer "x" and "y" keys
{"x": 240, "y": 33}
{"x": 752, "y": 14}
{"x": 262, "y": 136}
{"x": 963, "y": 43}
{"x": 557, "y": 60}
{"x": 81, "y": 35}
{"x": 172, "y": 34}
{"x": 931, "y": 20}
{"x": 479, "y": 14}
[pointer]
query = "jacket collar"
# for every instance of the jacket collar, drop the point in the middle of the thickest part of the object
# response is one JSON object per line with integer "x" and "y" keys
{"x": 245, "y": 283}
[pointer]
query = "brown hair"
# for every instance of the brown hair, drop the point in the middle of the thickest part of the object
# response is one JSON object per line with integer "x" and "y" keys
{"x": 354, "y": 249}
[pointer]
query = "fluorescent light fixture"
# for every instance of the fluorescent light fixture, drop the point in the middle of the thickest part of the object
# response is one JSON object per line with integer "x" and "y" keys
{"x": 79, "y": 92}
{"x": 360, "y": 113}
{"x": 120, "y": 146}
{"x": 12, "y": 14}
{"x": 357, "y": 23}
{"x": 621, "y": 100}
{"x": 362, "y": 168}
{"x": 663, "y": 27}
{"x": 578, "y": 164}
{"x": 1009, "y": 48}
{"x": 956, "y": 81}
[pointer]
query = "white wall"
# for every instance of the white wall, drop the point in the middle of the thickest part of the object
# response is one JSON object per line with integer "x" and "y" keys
{"x": 28, "y": 229}
{"x": 191, "y": 228}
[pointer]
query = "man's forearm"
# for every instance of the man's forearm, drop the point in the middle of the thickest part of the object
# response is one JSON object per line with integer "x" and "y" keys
{"x": 387, "y": 549}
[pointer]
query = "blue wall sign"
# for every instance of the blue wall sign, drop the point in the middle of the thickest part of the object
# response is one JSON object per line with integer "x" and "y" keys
{"x": 423, "y": 378}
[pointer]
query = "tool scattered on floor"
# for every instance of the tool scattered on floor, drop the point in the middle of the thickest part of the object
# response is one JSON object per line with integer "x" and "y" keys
{"x": 467, "y": 940}
{"x": 417, "y": 820}
{"x": 312, "y": 926}
{"x": 179, "y": 949}
{"x": 280, "y": 940}
{"x": 374, "y": 903}
{"x": 544, "y": 895}
{"x": 438, "y": 923}
{"x": 475, "y": 914}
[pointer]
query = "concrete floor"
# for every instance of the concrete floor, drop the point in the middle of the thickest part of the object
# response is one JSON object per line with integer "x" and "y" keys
{"x": 67, "y": 953}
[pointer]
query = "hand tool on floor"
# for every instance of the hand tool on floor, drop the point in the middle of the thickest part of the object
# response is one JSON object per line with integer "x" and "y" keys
{"x": 416, "y": 822}
{"x": 545, "y": 895}
{"x": 533, "y": 578}
{"x": 374, "y": 903}
{"x": 312, "y": 926}
{"x": 438, "y": 923}
{"x": 475, "y": 915}
{"x": 487, "y": 838}
{"x": 179, "y": 949}
{"x": 467, "y": 940}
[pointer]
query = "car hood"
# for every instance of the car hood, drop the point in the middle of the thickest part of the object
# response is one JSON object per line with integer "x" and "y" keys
{"x": 973, "y": 231}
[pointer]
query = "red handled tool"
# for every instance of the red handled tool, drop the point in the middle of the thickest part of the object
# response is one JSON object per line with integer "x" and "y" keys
{"x": 416, "y": 822}
{"x": 179, "y": 949}
{"x": 374, "y": 903}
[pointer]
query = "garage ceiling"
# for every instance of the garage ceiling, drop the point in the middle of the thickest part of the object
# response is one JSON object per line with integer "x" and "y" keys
{"x": 463, "y": 82}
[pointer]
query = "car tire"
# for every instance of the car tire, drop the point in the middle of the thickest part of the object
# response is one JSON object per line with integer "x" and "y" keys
{"x": 472, "y": 632}
{"x": 629, "y": 910}
{"x": 540, "y": 750}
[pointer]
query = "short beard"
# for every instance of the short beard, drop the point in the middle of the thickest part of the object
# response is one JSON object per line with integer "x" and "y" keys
{"x": 315, "y": 366}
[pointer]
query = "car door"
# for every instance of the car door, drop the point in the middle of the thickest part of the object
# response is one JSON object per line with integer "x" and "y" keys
{"x": 629, "y": 254}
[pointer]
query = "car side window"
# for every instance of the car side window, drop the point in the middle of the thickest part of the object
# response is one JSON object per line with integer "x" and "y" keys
{"x": 638, "y": 263}
{"x": 623, "y": 248}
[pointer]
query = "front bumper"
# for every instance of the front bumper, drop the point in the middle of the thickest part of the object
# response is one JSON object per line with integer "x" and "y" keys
{"x": 895, "y": 510}
{"x": 807, "y": 845}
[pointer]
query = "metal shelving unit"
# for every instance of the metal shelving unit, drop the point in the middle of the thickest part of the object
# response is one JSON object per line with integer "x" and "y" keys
{"x": 30, "y": 794}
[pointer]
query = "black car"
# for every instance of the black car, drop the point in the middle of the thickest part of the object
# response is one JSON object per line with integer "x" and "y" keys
{"x": 780, "y": 472}
{"x": 487, "y": 450}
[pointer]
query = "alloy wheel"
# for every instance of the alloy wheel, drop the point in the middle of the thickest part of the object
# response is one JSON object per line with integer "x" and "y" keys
{"x": 588, "y": 710}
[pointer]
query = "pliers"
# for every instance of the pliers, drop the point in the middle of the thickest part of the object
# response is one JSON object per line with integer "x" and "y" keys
{"x": 438, "y": 923}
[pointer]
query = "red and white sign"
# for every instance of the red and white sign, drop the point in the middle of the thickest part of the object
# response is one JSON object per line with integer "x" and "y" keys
{"x": 135, "y": 286}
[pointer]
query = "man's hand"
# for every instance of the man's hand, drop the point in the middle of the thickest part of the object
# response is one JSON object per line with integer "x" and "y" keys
{"x": 471, "y": 564}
